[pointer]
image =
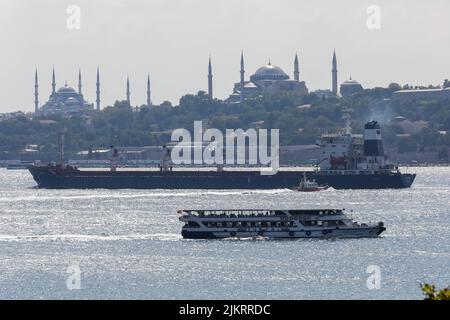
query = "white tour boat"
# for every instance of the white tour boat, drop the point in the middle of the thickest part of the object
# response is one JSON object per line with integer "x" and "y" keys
{"x": 301, "y": 223}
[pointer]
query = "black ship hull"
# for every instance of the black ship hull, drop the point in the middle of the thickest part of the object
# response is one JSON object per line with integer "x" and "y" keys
{"x": 51, "y": 178}
{"x": 366, "y": 181}
{"x": 316, "y": 234}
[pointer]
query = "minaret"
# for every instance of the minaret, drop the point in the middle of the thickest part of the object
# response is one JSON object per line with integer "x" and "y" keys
{"x": 210, "y": 81}
{"x": 36, "y": 93}
{"x": 334, "y": 75}
{"x": 149, "y": 100}
{"x": 97, "y": 92}
{"x": 296, "y": 69}
{"x": 53, "y": 82}
{"x": 242, "y": 76}
{"x": 79, "y": 82}
{"x": 128, "y": 91}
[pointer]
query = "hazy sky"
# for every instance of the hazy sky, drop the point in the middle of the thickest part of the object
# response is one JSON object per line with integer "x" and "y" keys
{"x": 171, "y": 39}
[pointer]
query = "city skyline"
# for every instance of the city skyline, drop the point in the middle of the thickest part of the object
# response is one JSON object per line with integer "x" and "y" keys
{"x": 294, "y": 84}
{"x": 177, "y": 59}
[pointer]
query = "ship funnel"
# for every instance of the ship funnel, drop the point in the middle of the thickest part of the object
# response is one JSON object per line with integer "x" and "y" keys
{"x": 373, "y": 143}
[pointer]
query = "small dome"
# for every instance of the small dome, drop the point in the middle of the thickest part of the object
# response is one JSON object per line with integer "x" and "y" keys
{"x": 350, "y": 87}
{"x": 269, "y": 72}
{"x": 66, "y": 90}
{"x": 350, "y": 82}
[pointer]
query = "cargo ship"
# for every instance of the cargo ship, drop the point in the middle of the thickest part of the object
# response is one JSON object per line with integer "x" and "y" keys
{"x": 348, "y": 162}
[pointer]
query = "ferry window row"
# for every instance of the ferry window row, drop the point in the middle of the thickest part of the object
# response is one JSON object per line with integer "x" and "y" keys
{"x": 307, "y": 213}
{"x": 323, "y": 223}
{"x": 235, "y": 214}
{"x": 248, "y": 224}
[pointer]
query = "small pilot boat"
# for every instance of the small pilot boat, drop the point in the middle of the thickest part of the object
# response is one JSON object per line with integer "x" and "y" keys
{"x": 310, "y": 185}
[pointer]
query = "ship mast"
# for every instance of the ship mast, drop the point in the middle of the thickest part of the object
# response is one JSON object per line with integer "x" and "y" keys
{"x": 114, "y": 161}
{"x": 62, "y": 147}
{"x": 62, "y": 150}
{"x": 166, "y": 158}
{"x": 347, "y": 116}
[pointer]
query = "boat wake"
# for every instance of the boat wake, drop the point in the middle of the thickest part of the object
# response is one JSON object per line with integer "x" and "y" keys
{"x": 85, "y": 238}
{"x": 156, "y": 194}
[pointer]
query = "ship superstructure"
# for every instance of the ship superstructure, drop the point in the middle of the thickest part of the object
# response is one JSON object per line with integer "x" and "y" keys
{"x": 347, "y": 151}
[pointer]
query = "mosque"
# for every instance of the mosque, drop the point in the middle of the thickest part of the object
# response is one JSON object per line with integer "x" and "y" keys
{"x": 273, "y": 79}
{"x": 266, "y": 79}
{"x": 68, "y": 101}
{"x": 350, "y": 87}
{"x": 65, "y": 100}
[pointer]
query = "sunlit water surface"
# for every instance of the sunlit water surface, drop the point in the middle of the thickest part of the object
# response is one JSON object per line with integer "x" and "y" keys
{"x": 127, "y": 244}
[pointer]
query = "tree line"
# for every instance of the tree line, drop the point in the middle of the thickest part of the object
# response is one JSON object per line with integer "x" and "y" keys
{"x": 301, "y": 119}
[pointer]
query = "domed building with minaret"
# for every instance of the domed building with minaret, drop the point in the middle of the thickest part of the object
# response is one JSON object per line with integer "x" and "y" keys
{"x": 65, "y": 100}
{"x": 68, "y": 101}
{"x": 267, "y": 79}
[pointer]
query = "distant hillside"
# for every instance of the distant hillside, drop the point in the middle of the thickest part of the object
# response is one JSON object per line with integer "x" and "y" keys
{"x": 419, "y": 126}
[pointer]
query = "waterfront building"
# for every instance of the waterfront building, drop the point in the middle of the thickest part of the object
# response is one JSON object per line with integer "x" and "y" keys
{"x": 440, "y": 94}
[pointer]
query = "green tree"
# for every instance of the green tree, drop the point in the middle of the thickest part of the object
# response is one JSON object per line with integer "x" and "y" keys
{"x": 394, "y": 87}
{"x": 431, "y": 293}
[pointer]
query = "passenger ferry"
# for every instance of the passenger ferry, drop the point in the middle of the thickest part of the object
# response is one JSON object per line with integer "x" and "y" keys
{"x": 313, "y": 223}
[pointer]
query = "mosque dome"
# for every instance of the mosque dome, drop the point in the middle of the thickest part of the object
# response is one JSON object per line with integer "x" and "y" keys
{"x": 269, "y": 72}
{"x": 350, "y": 87}
{"x": 66, "y": 90}
{"x": 350, "y": 82}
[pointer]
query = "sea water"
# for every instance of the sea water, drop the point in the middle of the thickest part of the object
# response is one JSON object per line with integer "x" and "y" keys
{"x": 78, "y": 244}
